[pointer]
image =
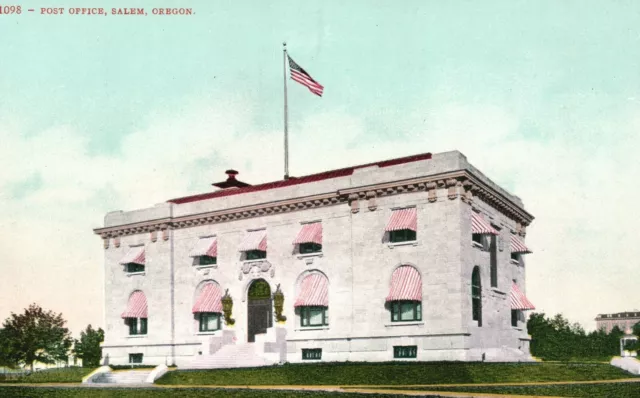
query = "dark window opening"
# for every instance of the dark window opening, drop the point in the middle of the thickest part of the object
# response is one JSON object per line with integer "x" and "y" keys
{"x": 402, "y": 235}
{"x": 405, "y": 351}
{"x": 404, "y": 311}
{"x": 515, "y": 256}
{"x": 255, "y": 254}
{"x": 133, "y": 267}
{"x": 493, "y": 258}
{"x": 209, "y": 321}
{"x": 312, "y": 353}
{"x": 137, "y": 326}
{"x": 476, "y": 296}
{"x": 135, "y": 358}
{"x": 207, "y": 260}
{"x": 477, "y": 238}
{"x": 314, "y": 316}
{"x": 514, "y": 318}
{"x": 310, "y": 248}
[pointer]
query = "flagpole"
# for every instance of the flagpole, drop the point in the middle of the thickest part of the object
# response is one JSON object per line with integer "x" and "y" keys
{"x": 286, "y": 115}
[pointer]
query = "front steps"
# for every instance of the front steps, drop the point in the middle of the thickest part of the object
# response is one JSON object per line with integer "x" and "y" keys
{"x": 123, "y": 377}
{"x": 231, "y": 356}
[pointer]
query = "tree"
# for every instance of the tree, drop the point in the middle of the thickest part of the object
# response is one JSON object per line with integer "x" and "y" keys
{"x": 36, "y": 335}
{"x": 88, "y": 347}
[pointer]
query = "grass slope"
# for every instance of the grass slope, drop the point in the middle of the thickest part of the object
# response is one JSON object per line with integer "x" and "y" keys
{"x": 65, "y": 392}
{"x": 606, "y": 390}
{"x": 398, "y": 373}
{"x": 62, "y": 375}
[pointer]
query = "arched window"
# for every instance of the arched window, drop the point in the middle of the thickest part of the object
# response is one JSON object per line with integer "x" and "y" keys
{"x": 405, "y": 295}
{"x": 313, "y": 300}
{"x": 208, "y": 307}
{"x": 135, "y": 315}
{"x": 476, "y": 296}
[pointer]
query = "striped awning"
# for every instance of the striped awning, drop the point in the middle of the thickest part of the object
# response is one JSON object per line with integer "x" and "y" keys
{"x": 314, "y": 291}
{"x": 518, "y": 300}
{"x": 480, "y": 226}
{"x": 205, "y": 247}
{"x": 403, "y": 219}
{"x": 137, "y": 306}
{"x": 254, "y": 240}
{"x": 406, "y": 284}
{"x": 134, "y": 255}
{"x": 310, "y": 233}
{"x": 209, "y": 300}
{"x": 517, "y": 246}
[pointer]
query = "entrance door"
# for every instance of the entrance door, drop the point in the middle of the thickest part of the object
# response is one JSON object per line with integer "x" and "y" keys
{"x": 260, "y": 309}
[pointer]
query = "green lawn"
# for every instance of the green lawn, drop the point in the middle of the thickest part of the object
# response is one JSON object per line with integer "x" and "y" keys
{"x": 609, "y": 390}
{"x": 81, "y": 392}
{"x": 62, "y": 375}
{"x": 397, "y": 373}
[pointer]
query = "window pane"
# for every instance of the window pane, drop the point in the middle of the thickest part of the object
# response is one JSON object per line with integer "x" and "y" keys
{"x": 315, "y": 316}
{"x": 206, "y": 260}
{"x": 143, "y": 325}
{"x": 407, "y": 311}
{"x": 132, "y": 322}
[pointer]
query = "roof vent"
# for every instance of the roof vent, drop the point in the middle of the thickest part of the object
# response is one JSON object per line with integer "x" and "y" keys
{"x": 231, "y": 181}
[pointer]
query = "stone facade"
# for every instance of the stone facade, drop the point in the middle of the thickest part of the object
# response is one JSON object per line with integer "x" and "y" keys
{"x": 357, "y": 259}
{"x": 623, "y": 320}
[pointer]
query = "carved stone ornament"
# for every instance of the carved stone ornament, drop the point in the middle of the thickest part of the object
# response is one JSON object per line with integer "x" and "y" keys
{"x": 116, "y": 241}
{"x": 432, "y": 191}
{"x": 154, "y": 235}
{"x": 371, "y": 200}
{"x": 105, "y": 241}
{"x": 354, "y": 203}
{"x": 239, "y": 275}
{"x": 257, "y": 267}
{"x": 467, "y": 196}
{"x": 453, "y": 185}
{"x": 165, "y": 234}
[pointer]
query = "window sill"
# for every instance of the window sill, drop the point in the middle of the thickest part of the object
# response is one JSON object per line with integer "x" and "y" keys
{"x": 136, "y": 336}
{"x": 206, "y": 266}
{"x": 136, "y": 273}
{"x": 514, "y": 262}
{"x": 307, "y": 255}
{"x": 496, "y": 290}
{"x": 207, "y": 333}
{"x": 302, "y": 329}
{"x": 477, "y": 245}
{"x": 516, "y": 328}
{"x": 260, "y": 260}
{"x": 407, "y": 323}
{"x": 394, "y": 244}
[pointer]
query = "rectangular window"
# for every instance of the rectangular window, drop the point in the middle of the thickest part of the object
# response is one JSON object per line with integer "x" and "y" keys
{"x": 405, "y": 351}
{"x": 255, "y": 254}
{"x": 402, "y": 235}
{"x": 133, "y": 267}
{"x": 312, "y": 353}
{"x": 135, "y": 358}
{"x": 515, "y": 257}
{"x": 310, "y": 248}
{"x": 514, "y": 318}
{"x": 137, "y": 326}
{"x": 477, "y": 238}
{"x": 209, "y": 321}
{"x": 493, "y": 258}
{"x": 207, "y": 260}
{"x": 403, "y": 311}
{"x": 313, "y": 316}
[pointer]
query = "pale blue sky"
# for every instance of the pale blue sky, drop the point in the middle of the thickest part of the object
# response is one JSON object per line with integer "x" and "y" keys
{"x": 118, "y": 112}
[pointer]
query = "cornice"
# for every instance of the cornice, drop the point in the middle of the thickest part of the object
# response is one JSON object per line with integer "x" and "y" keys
{"x": 458, "y": 184}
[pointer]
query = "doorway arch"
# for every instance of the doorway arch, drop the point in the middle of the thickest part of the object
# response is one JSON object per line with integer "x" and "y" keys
{"x": 259, "y": 309}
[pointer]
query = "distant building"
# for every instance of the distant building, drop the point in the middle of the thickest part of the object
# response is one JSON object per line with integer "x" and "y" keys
{"x": 623, "y": 320}
{"x": 417, "y": 258}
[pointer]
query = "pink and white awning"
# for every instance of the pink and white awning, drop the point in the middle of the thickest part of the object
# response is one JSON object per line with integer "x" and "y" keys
{"x": 135, "y": 255}
{"x": 406, "y": 284}
{"x": 254, "y": 240}
{"x": 314, "y": 291}
{"x": 517, "y": 246}
{"x": 209, "y": 300}
{"x": 480, "y": 226}
{"x": 310, "y": 233}
{"x": 137, "y": 306}
{"x": 403, "y": 219}
{"x": 205, "y": 247}
{"x": 518, "y": 300}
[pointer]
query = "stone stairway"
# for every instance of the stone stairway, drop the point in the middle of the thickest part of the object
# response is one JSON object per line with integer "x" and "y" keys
{"x": 123, "y": 377}
{"x": 231, "y": 356}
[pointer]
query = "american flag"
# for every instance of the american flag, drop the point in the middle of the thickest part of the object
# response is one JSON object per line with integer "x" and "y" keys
{"x": 301, "y": 76}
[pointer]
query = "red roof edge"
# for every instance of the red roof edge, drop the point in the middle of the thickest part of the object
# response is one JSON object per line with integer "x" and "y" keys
{"x": 300, "y": 180}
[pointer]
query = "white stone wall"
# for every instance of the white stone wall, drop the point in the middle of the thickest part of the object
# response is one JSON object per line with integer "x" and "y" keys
{"x": 356, "y": 259}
